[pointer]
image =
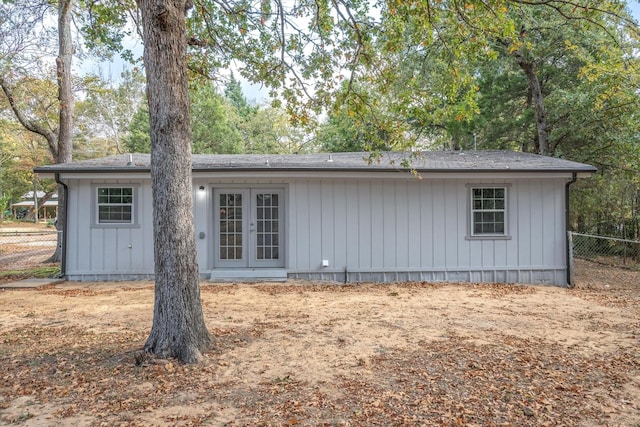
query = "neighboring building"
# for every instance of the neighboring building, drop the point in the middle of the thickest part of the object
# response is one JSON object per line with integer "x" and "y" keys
{"x": 46, "y": 210}
{"x": 475, "y": 216}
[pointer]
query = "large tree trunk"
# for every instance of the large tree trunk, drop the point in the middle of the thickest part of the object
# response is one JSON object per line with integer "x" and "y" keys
{"x": 66, "y": 112}
{"x": 178, "y": 328}
{"x": 535, "y": 88}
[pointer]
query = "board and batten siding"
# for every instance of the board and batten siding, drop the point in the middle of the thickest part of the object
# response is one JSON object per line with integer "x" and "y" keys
{"x": 390, "y": 230}
{"x": 108, "y": 252}
{"x": 367, "y": 228}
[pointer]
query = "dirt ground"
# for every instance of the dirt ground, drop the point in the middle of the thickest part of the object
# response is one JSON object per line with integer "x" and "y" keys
{"x": 334, "y": 355}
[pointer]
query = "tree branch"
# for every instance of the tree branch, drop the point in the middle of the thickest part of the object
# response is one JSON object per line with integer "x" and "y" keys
{"x": 30, "y": 125}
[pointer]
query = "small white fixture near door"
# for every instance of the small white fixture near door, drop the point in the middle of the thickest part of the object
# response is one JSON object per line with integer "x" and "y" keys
{"x": 325, "y": 263}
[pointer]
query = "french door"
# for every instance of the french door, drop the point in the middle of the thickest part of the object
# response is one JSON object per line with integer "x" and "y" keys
{"x": 249, "y": 227}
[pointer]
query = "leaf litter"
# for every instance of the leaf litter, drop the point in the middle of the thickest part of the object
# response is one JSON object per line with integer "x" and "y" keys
{"x": 304, "y": 353}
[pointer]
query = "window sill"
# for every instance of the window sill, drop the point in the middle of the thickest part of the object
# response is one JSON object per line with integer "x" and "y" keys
{"x": 488, "y": 237}
{"x": 116, "y": 225}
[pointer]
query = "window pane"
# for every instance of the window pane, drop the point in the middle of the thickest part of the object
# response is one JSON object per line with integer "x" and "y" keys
{"x": 488, "y": 210}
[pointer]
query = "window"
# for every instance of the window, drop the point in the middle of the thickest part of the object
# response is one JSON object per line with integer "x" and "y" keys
{"x": 488, "y": 211}
{"x": 115, "y": 205}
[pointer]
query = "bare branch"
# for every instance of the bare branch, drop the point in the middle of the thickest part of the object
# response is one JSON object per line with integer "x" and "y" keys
{"x": 30, "y": 125}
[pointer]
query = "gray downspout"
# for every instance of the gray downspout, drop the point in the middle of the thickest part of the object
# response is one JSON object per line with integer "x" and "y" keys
{"x": 63, "y": 249}
{"x": 566, "y": 225}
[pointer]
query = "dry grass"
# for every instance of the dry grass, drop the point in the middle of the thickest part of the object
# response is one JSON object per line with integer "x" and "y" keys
{"x": 318, "y": 354}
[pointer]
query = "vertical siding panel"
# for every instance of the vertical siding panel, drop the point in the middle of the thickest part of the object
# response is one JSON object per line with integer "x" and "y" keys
{"x": 524, "y": 223}
{"x": 389, "y": 225}
{"x": 109, "y": 248}
{"x": 475, "y": 253}
{"x": 353, "y": 219}
{"x": 536, "y": 225}
{"x": 327, "y": 224}
{"x": 377, "y": 225}
{"x": 414, "y": 224}
{"x": 554, "y": 236}
{"x": 146, "y": 218}
{"x": 97, "y": 250}
{"x": 79, "y": 222}
{"x": 488, "y": 260}
{"x": 500, "y": 252}
{"x": 547, "y": 208}
{"x": 427, "y": 227}
{"x": 366, "y": 228}
{"x": 513, "y": 212}
{"x": 451, "y": 224}
{"x": 402, "y": 224}
{"x": 291, "y": 226}
{"x": 123, "y": 254}
{"x": 340, "y": 215}
{"x": 439, "y": 220}
{"x": 463, "y": 246}
{"x": 309, "y": 230}
{"x": 314, "y": 207}
{"x": 561, "y": 228}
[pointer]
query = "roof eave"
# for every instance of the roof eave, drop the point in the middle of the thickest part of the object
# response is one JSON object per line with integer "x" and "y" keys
{"x": 583, "y": 172}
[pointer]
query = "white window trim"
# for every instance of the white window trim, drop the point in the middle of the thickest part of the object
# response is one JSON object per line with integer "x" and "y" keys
{"x": 95, "y": 214}
{"x": 470, "y": 233}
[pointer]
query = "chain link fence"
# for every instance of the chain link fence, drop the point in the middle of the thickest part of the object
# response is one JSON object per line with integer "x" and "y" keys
{"x": 25, "y": 249}
{"x": 606, "y": 250}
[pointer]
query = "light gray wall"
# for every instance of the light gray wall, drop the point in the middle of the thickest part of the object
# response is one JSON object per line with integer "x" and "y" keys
{"x": 376, "y": 229}
{"x": 108, "y": 252}
{"x": 370, "y": 227}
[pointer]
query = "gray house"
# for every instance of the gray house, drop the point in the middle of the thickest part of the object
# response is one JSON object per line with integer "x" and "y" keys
{"x": 476, "y": 216}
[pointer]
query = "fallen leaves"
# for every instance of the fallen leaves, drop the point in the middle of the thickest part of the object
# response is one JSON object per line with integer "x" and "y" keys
{"x": 96, "y": 373}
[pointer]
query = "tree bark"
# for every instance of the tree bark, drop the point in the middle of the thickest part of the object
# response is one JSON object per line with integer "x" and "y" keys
{"x": 178, "y": 328}
{"x": 66, "y": 112}
{"x": 535, "y": 88}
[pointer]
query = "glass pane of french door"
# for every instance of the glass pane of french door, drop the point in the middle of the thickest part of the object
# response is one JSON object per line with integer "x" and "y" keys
{"x": 268, "y": 226}
{"x": 230, "y": 244}
{"x": 248, "y": 228}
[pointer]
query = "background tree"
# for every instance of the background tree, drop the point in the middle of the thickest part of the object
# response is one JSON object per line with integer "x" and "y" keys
{"x": 105, "y": 114}
{"x": 20, "y": 25}
{"x": 214, "y": 122}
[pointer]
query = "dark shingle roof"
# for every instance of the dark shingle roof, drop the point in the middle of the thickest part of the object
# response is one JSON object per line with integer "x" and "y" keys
{"x": 428, "y": 161}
